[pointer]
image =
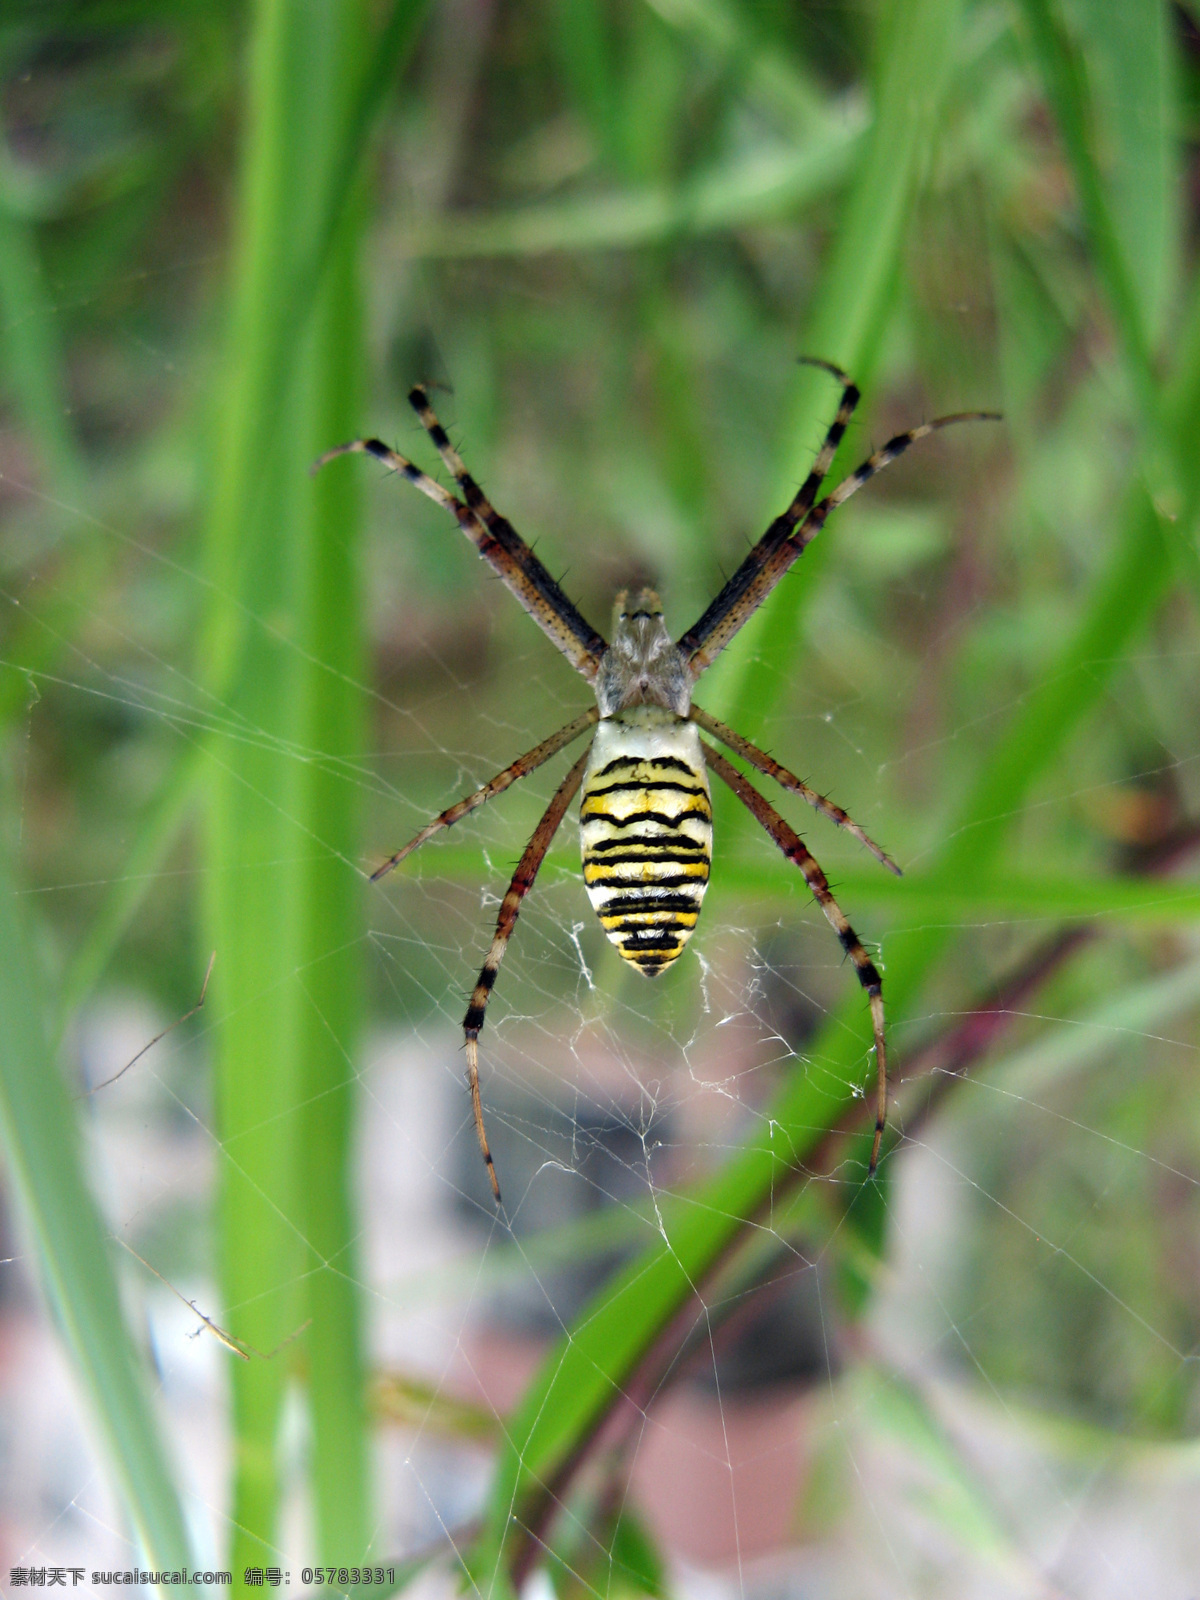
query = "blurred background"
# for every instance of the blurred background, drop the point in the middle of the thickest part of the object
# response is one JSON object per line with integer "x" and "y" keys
{"x": 256, "y": 1308}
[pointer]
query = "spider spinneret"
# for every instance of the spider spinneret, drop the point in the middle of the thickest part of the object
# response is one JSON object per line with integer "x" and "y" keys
{"x": 646, "y": 808}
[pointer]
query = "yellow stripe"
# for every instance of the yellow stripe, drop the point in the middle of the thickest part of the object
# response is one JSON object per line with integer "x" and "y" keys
{"x": 647, "y": 871}
{"x": 647, "y": 919}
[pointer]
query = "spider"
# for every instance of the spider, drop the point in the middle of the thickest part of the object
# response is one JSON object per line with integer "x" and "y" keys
{"x": 646, "y": 811}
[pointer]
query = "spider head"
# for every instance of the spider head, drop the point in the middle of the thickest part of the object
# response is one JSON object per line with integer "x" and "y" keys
{"x": 642, "y": 666}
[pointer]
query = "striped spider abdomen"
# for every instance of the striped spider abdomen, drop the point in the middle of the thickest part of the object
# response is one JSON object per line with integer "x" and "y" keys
{"x": 645, "y": 823}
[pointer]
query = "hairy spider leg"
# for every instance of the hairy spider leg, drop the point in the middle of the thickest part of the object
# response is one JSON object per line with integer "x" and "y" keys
{"x": 510, "y": 558}
{"x": 851, "y": 395}
{"x": 401, "y": 464}
{"x": 520, "y": 768}
{"x": 771, "y": 768}
{"x": 510, "y": 908}
{"x": 558, "y": 616}
{"x": 799, "y": 508}
{"x": 772, "y": 556}
{"x": 795, "y": 850}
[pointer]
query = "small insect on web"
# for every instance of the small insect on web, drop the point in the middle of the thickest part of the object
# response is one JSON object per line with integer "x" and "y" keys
{"x": 646, "y": 811}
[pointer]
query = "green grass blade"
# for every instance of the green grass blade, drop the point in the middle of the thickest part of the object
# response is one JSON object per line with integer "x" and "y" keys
{"x": 756, "y": 186}
{"x": 769, "y": 76}
{"x": 281, "y": 887}
{"x": 329, "y": 889}
{"x": 984, "y": 897}
{"x": 988, "y": 895}
{"x": 33, "y": 367}
{"x": 152, "y": 840}
{"x": 1132, "y": 216}
{"x": 1070, "y": 96}
{"x": 583, "y": 40}
{"x": 41, "y": 1138}
{"x": 1135, "y": 91}
{"x": 160, "y": 826}
{"x": 954, "y": 1498}
{"x": 846, "y": 324}
{"x": 36, "y": 641}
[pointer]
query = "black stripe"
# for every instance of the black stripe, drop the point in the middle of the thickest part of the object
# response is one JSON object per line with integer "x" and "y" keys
{"x": 666, "y": 859}
{"x": 638, "y": 934}
{"x": 635, "y": 927}
{"x": 894, "y": 447}
{"x": 652, "y": 849}
{"x": 438, "y": 434}
{"x": 676, "y": 837}
{"x": 635, "y": 947}
{"x": 661, "y": 763}
{"x": 664, "y": 819}
{"x": 619, "y": 906}
{"x": 662, "y": 878}
{"x": 649, "y": 785}
{"x": 684, "y": 853}
{"x": 678, "y": 882}
{"x": 473, "y": 1020}
{"x": 868, "y": 975}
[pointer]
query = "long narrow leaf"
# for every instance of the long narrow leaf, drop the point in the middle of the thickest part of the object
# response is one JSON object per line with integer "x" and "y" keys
{"x": 41, "y": 1139}
{"x": 755, "y": 187}
{"x": 986, "y": 897}
{"x": 846, "y": 323}
{"x": 331, "y": 928}
{"x": 260, "y": 422}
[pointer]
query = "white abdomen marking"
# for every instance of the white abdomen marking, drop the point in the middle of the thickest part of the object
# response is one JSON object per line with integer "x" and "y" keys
{"x": 646, "y": 830}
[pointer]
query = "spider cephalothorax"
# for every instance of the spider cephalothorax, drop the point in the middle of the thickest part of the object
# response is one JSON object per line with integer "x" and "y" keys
{"x": 643, "y": 666}
{"x": 646, "y": 812}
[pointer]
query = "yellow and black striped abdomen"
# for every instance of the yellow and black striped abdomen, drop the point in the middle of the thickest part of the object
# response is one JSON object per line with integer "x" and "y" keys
{"x": 646, "y": 828}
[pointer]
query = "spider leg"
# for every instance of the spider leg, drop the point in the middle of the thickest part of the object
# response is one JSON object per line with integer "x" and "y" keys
{"x": 401, "y": 464}
{"x": 784, "y": 523}
{"x": 788, "y": 780}
{"x": 504, "y": 550}
{"x": 868, "y": 974}
{"x": 785, "y": 541}
{"x": 807, "y": 494}
{"x": 520, "y": 768}
{"x": 513, "y": 556}
{"x": 418, "y": 399}
{"x": 510, "y": 908}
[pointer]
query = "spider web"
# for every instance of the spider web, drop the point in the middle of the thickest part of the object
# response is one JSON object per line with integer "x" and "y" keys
{"x": 902, "y": 1447}
{"x": 965, "y": 1428}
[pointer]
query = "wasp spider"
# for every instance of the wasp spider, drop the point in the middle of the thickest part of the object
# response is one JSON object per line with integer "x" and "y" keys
{"x": 646, "y": 812}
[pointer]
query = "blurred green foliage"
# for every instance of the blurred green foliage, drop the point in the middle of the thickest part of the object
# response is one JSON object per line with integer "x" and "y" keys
{"x": 230, "y": 236}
